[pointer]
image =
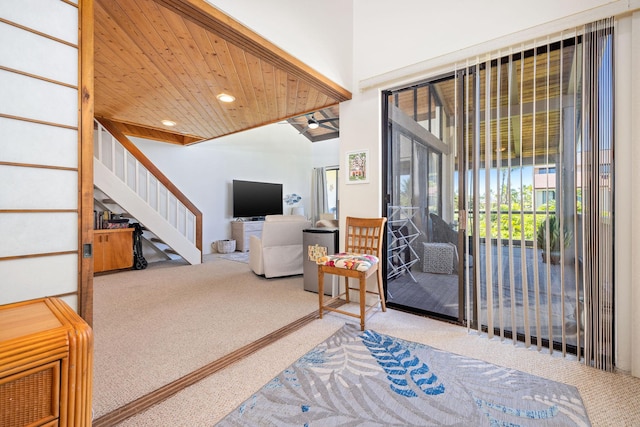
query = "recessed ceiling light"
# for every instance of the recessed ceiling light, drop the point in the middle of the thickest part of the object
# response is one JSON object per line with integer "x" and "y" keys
{"x": 168, "y": 123}
{"x": 224, "y": 97}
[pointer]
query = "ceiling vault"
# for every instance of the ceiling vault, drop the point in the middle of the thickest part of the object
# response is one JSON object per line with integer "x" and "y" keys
{"x": 161, "y": 60}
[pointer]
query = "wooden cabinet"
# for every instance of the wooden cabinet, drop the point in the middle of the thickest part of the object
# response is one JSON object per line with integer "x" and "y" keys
{"x": 241, "y": 231}
{"x": 112, "y": 249}
{"x": 46, "y": 365}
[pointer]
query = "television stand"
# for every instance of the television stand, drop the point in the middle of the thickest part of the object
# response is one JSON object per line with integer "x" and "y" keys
{"x": 241, "y": 232}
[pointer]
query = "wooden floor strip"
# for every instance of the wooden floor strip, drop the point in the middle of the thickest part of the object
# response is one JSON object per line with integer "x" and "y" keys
{"x": 145, "y": 402}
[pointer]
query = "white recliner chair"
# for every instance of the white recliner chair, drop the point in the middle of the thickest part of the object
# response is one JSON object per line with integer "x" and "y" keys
{"x": 278, "y": 252}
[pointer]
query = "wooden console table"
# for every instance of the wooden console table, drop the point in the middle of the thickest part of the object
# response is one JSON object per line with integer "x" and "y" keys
{"x": 46, "y": 365}
{"x": 241, "y": 232}
{"x": 113, "y": 249}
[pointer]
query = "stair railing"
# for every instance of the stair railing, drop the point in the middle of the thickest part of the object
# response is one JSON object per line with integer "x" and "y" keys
{"x": 117, "y": 153}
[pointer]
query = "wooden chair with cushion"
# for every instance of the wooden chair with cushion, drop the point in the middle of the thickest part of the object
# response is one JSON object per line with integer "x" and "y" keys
{"x": 360, "y": 259}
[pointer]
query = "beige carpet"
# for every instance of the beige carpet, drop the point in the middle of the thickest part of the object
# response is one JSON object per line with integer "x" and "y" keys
{"x": 610, "y": 399}
{"x": 154, "y": 326}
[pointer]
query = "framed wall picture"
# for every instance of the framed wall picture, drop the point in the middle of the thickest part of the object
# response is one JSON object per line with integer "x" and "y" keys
{"x": 358, "y": 167}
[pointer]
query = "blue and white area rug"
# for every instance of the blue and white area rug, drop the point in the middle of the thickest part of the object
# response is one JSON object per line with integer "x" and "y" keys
{"x": 368, "y": 379}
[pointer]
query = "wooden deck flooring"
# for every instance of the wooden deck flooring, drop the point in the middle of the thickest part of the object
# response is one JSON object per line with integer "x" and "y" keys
{"x": 438, "y": 293}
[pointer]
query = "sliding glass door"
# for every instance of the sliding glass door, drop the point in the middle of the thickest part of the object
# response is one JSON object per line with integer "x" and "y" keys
{"x": 499, "y": 182}
{"x": 424, "y": 237}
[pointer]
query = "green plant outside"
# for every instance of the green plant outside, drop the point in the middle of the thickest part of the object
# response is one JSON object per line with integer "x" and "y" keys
{"x": 549, "y": 233}
{"x": 518, "y": 226}
{"x": 515, "y": 221}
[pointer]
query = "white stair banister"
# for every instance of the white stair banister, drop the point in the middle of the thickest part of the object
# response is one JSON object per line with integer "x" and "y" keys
{"x": 119, "y": 174}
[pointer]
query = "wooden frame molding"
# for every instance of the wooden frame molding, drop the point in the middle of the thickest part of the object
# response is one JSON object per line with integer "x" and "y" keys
{"x": 85, "y": 158}
{"x": 153, "y": 134}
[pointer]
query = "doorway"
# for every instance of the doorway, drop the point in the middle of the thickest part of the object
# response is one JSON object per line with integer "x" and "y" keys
{"x": 499, "y": 191}
{"x": 425, "y": 242}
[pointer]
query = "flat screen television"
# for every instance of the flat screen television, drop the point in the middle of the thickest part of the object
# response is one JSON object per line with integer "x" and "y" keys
{"x": 256, "y": 199}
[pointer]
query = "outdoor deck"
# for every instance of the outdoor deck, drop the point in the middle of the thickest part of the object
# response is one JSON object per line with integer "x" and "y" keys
{"x": 438, "y": 293}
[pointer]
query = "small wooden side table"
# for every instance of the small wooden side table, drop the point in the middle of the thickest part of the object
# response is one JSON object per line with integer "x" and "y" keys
{"x": 46, "y": 365}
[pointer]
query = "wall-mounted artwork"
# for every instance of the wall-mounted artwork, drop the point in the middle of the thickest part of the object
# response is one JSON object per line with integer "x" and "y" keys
{"x": 358, "y": 167}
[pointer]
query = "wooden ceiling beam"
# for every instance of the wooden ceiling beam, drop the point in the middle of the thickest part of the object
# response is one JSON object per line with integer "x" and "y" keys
{"x": 150, "y": 133}
{"x": 215, "y": 21}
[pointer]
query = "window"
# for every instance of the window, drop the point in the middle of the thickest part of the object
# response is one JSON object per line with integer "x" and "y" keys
{"x": 544, "y": 196}
{"x": 331, "y": 178}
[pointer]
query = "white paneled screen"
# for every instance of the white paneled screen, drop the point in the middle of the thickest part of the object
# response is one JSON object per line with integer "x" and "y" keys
{"x": 39, "y": 150}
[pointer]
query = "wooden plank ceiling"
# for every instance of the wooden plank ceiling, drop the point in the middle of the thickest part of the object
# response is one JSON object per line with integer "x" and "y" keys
{"x": 525, "y": 121}
{"x": 161, "y": 60}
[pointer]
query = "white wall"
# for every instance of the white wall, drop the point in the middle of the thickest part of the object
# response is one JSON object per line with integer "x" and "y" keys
{"x": 203, "y": 172}
{"x": 325, "y": 153}
{"x": 627, "y": 202}
{"x": 417, "y": 30}
{"x": 407, "y": 40}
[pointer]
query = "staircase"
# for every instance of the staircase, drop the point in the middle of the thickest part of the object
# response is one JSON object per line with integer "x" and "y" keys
{"x": 153, "y": 248}
{"x": 129, "y": 179}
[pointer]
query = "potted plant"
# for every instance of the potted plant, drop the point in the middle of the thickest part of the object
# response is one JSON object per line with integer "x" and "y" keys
{"x": 554, "y": 238}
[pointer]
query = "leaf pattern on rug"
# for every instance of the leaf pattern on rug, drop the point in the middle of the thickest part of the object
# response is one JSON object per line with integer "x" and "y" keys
{"x": 404, "y": 369}
{"x": 485, "y": 371}
{"x": 327, "y": 386}
{"x": 341, "y": 355}
{"x": 501, "y": 411}
{"x": 326, "y": 402}
{"x": 569, "y": 406}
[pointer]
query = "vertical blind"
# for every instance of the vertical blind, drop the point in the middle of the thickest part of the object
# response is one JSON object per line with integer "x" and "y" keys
{"x": 537, "y": 142}
{"x": 597, "y": 167}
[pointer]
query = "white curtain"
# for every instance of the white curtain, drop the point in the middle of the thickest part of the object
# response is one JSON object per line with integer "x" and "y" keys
{"x": 319, "y": 203}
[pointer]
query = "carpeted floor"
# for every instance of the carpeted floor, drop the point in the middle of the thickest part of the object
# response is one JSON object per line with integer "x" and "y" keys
{"x": 154, "y": 326}
{"x": 610, "y": 398}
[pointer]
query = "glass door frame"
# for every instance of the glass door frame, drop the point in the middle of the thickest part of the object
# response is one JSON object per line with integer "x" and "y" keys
{"x": 387, "y": 137}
